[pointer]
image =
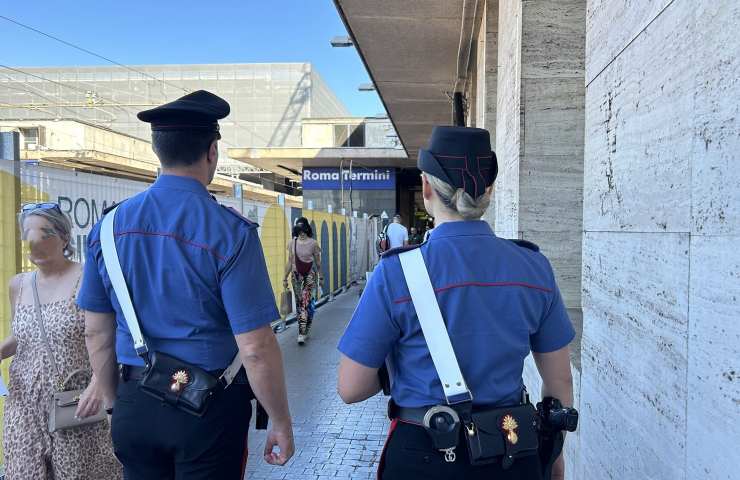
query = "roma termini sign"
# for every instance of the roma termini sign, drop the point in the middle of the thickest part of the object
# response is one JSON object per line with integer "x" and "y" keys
{"x": 360, "y": 178}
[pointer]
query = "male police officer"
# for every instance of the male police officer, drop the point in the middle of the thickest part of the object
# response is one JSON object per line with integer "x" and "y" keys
{"x": 199, "y": 284}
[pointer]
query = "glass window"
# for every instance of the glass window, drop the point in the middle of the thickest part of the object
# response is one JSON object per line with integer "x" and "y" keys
{"x": 357, "y": 137}
{"x": 341, "y": 135}
{"x": 30, "y": 137}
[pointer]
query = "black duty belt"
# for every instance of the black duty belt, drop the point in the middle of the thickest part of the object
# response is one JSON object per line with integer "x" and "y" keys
{"x": 491, "y": 434}
{"x": 413, "y": 415}
{"x": 135, "y": 373}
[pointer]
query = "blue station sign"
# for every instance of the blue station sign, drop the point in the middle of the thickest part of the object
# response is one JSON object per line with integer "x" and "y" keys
{"x": 361, "y": 178}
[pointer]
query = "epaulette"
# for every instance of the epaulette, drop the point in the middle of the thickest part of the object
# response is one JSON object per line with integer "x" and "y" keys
{"x": 111, "y": 207}
{"x": 238, "y": 215}
{"x": 397, "y": 250}
{"x": 526, "y": 244}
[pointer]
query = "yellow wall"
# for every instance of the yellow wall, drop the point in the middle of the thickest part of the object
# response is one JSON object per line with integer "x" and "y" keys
{"x": 275, "y": 233}
{"x": 9, "y": 256}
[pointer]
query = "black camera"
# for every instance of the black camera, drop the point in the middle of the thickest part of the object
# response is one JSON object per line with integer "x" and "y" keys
{"x": 555, "y": 417}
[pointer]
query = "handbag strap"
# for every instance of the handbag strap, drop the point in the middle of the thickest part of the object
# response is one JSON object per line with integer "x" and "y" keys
{"x": 73, "y": 375}
{"x": 433, "y": 327}
{"x": 40, "y": 319}
{"x": 113, "y": 266}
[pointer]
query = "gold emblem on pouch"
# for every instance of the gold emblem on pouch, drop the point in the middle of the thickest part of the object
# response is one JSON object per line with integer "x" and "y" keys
{"x": 509, "y": 425}
{"x": 179, "y": 379}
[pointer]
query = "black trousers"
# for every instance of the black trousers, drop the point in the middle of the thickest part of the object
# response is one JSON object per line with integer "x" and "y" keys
{"x": 154, "y": 441}
{"x": 409, "y": 455}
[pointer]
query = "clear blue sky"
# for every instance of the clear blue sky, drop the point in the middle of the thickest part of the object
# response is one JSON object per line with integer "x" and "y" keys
{"x": 187, "y": 31}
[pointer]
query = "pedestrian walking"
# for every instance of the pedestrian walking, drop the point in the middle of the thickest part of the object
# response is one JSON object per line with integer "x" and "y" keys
{"x": 414, "y": 237}
{"x": 304, "y": 267}
{"x": 398, "y": 235}
{"x": 176, "y": 292}
{"x": 429, "y": 228}
{"x": 49, "y": 358}
{"x": 455, "y": 318}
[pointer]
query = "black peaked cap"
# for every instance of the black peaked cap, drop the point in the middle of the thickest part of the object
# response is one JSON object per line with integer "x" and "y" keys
{"x": 462, "y": 157}
{"x": 198, "y": 110}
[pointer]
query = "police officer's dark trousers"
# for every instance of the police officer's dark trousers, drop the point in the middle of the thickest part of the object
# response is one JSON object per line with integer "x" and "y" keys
{"x": 410, "y": 455}
{"x": 154, "y": 441}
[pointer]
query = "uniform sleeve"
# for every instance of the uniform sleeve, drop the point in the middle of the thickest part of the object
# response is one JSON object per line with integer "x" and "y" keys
{"x": 93, "y": 295}
{"x": 555, "y": 330}
{"x": 405, "y": 234}
{"x": 371, "y": 333}
{"x": 245, "y": 286}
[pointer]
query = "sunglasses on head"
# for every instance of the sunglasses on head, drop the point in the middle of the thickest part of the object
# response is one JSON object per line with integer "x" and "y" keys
{"x": 39, "y": 206}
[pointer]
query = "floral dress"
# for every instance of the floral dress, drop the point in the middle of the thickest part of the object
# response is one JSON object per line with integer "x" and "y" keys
{"x": 31, "y": 452}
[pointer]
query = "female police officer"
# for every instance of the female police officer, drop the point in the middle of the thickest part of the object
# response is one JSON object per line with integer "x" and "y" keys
{"x": 499, "y": 301}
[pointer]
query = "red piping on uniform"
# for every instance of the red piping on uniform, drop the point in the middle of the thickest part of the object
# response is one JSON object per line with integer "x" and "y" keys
{"x": 480, "y": 284}
{"x": 169, "y": 235}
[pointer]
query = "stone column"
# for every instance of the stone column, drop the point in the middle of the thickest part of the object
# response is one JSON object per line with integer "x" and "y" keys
{"x": 486, "y": 78}
{"x": 487, "y": 70}
{"x": 539, "y": 131}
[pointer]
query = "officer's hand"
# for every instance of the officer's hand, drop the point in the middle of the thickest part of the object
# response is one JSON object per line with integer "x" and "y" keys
{"x": 283, "y": 439}
{"x": 91, "y": 400}
{"x": 558, "y": 469}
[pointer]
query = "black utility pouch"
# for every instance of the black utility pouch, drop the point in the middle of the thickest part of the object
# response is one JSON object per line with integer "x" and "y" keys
{"x": 502, "y": 434}
{"x": 178, "y": 383}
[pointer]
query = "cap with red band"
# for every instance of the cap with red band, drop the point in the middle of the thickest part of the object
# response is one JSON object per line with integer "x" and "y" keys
{"x": 462, "y": 157}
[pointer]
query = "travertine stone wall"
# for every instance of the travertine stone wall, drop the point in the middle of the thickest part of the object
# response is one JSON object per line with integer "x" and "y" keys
{"x": 539, "y": 131}
{"x": 660, "y": 393}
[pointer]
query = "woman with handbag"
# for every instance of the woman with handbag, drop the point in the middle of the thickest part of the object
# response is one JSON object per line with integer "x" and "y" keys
{"x": 50, "y": 376}
{"x": 304, "y": 262}
{"x": 453, "y": 320}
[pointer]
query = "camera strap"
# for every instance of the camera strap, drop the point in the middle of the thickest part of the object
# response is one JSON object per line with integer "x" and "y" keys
{"x": 113, "y": 267}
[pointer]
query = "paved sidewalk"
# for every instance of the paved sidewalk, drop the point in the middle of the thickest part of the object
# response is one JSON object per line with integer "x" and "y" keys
{"x": 333, "y": 440}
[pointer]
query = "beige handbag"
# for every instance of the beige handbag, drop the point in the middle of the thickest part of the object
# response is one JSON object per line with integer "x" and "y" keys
{"x": 286, "y": 302}
{"x": 64, "y": 405}
{"x": 63, "y": 402}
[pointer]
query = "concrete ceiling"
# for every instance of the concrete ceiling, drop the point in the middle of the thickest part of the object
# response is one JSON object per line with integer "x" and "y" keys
{"x": 410, "y": 48}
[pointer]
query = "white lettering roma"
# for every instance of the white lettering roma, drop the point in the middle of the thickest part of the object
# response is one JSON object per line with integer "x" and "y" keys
{"x": 333, "y": 176}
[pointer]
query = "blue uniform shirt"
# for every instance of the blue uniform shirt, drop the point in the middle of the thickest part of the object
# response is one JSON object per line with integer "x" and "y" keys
{"x": 195, "y": 270}
{"x": 499, "y": 301}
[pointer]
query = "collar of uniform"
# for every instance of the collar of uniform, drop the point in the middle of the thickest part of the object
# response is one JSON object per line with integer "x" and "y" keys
{"x": 176, "y": 182}
{"x": 461, "y": 229}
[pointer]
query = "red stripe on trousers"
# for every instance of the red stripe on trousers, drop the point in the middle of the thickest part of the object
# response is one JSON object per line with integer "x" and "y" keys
{"x": 245, "y": 457}
{"x": 381, "y": 464}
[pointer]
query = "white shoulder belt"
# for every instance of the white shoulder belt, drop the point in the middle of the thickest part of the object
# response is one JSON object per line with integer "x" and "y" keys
{"x": 433, "y": 327}
{"x": 113, "y": 266}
